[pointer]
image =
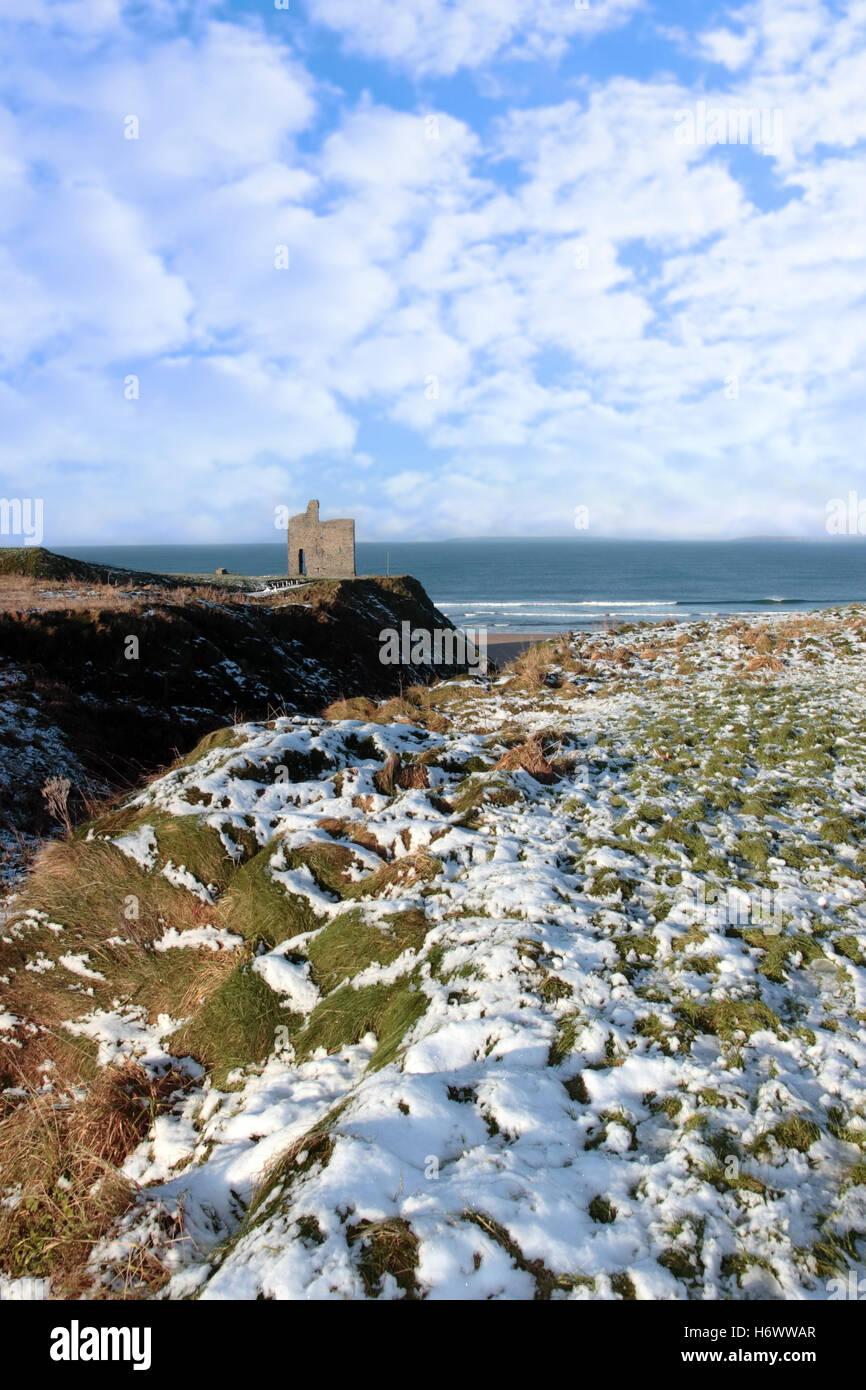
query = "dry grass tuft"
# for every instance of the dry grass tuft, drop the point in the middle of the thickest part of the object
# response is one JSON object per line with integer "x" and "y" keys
{"x": 531, "y": 666}
{"x": 531, "y": 758}
{"x": 414, "y": 776}
{"x": 385, "y": 780}
{"x": 210, "y": 970}
{"x": 386, "y": 1247}
{"x": 61, "y": 1157}
{"x": 341, "y": 829}
{"x": 394, "y": 777}
{"x": 121, "y": 1105}
{"x": 356, "y": 708}
{"x": 764, "y": 663}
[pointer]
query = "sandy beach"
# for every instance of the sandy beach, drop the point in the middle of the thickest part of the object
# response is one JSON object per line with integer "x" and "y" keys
{"x": 503, "y": 647}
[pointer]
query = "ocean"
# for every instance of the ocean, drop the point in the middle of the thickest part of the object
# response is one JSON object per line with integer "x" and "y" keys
{"x": 552, "y": 585}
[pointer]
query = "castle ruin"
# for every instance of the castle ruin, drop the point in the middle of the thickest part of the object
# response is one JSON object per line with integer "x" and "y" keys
{"x": 320, "y": 549}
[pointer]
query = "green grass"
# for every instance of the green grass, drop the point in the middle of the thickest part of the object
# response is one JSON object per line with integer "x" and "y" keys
{"x": 564, "y": 1042}
{"x": 191, "y": 843}
{"x": 348, "y": 945}
{"x": 235, "y": 1027}
{"x": 39, "y": 563}
{"x": 755, "y": 850}
{"x": 258, "y": 908}
{"x": 848, "y": 945}
{"x": 227, "y": 737}
{"x": 726, "y": 1017}
{"x": 684, "y": 832}
{"x": 778, "y": 950}
{"x": 479, "y": 790}
{"x": 737, "y": 1266}
{"x": 796, "y": 1132}
{"x": 602, "y": 1210}
{"x": 836, "y": 1252}
{"x": 677, "y": 1262}
{"x": 347, "y": 1015}
{"x": 329, "y": 863}
{"x": 112, "y": 911}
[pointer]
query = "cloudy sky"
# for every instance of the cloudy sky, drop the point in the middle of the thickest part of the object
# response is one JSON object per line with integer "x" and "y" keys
{"x": 454, "y": 268}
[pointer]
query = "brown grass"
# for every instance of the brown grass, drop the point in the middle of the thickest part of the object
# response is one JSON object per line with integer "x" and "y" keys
{"x": 340, "y": 829}
{"x": 531, "y": 666}
{"x": 531, "y": 758}
{"x": 24, "y": 593}
{"x": 357, "y": 708}
{"x": 64, "y": 1156}
{"x": 394, "y": 776}
{"x": 122, "y": 1104}
{"x": 386, "y": 1247}
{"x": 210, "y": 968}
{"x": 764, "y": 663}
{"x": 414, "y": 776}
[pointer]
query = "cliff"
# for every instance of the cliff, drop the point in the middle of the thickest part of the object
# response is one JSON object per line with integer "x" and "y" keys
{"x": 107, "y": 675}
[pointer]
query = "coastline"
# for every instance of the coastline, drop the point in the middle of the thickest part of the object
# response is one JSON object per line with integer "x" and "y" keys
{"x": 503, "y": 647}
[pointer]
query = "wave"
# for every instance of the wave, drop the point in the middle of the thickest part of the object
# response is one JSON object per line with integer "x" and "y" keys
{"x": 757, "y": 602}
{"x": 488, "y": 604}
{"x": 611, "y": 604}
{"x": 512, "y": 622}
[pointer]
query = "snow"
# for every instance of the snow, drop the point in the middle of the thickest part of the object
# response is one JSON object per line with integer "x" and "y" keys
{"x": 76, "y": 965}
{"x": 125, "y": 1032}
{"x": 289, "y": 979}
{"x": 139, "y": 844}
{"x": 198, "y": 938}
{"x": 577, "y": 956}
{"x": 180, "y": 877}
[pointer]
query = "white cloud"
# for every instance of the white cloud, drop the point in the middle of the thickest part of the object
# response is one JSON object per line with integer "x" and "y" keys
{"x": 438, "y": 37}
{"x": 727, "y": 47}
{"x": 580, "y": 320}
{"x": 96, "y": 286}
{"x": 89, "y": 18}
{"x": 209, "y": 448}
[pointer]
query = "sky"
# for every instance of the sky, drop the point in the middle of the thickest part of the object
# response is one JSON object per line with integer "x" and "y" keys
{"x": 494, "y": 267}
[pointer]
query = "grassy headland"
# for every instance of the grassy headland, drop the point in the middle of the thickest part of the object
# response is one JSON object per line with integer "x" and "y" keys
{"x": 546, "y": 985}
{"x": 108, "y": 675}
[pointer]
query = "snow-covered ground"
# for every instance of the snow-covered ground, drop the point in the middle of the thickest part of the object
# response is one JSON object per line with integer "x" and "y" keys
{"x": 633, "y": 1037}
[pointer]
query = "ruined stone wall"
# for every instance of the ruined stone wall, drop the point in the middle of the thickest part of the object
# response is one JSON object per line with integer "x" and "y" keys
{"x": 321, "y": 549}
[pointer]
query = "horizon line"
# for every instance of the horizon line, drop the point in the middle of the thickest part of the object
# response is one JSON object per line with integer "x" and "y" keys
{"x": 451, "y": 540}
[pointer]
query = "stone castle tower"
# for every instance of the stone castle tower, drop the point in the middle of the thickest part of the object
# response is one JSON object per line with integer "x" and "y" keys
{"x": 320, "y": 549}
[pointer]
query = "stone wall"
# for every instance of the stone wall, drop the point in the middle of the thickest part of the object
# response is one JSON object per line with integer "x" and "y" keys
{"x": 321, "y": 549}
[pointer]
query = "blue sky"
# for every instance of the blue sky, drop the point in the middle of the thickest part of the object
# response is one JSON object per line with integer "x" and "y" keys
{"x": 524, "y": 276}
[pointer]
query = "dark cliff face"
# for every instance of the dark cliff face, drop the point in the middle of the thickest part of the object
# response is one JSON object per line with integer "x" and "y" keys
{"x": 105, "y": 695}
